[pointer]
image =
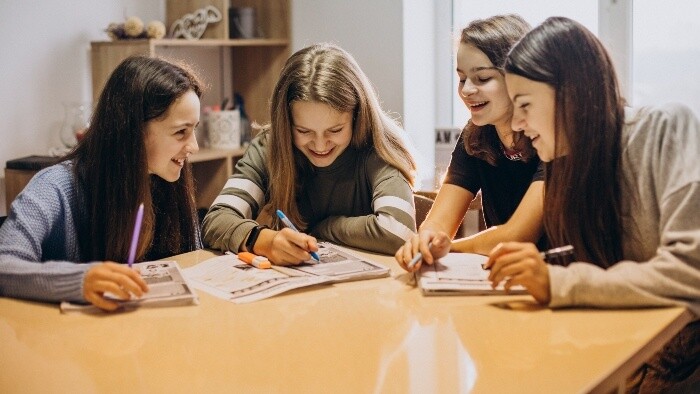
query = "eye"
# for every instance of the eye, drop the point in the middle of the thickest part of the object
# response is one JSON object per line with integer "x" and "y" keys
{"x": 484, "y": 80}
{"x": 301, "y": 131}
{"x": 524, "y": 106}
{"x": 338, "y": 130}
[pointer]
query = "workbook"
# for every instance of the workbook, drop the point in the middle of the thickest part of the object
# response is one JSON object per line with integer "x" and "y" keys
{"x": 459, "y": 273}
{"x": 231, "y": 279}
{"x": 167, "y": 286}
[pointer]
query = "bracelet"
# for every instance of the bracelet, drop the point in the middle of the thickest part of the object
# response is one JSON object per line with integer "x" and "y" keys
{"x": 253, "y": 237}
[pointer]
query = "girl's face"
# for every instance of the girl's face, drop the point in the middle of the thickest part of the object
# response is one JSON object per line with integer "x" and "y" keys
{"x": 320, "y": 132}
{"x": 534, "y": 113}
{"x": 170, "y": 140}
{"x": 482, "y": 88}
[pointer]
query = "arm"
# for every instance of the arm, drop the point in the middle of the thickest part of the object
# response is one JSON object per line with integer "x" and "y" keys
{"x": 525, "y": 225}
{"x": 392, "y": 220}
{"x": 231, "y": 216}
{"x": 41, "y": 224}
{"x": 439, "y": 227}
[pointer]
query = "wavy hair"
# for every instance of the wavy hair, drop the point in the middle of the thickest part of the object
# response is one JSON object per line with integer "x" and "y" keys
{"x": 111, "y": 167}
{"x": 494, "y": 37}
{"x": 582, "y": 193}
{"x": 325, "y": 73}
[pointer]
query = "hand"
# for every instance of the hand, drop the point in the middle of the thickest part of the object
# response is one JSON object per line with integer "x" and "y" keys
{"x": 117, "y": 279}
{"x": 289, "y": 247}
{"x": 419, "y": 242}
{"x": 520, "y": 263}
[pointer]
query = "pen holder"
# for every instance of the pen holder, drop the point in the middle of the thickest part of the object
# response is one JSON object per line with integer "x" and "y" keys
{"x": 224, "y": 129}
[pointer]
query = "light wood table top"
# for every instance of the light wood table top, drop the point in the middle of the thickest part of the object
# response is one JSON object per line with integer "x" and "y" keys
{"x": 377, "y": 335}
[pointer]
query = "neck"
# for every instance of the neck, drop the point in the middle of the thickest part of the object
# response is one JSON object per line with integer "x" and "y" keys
{"x": 505, "y": 134}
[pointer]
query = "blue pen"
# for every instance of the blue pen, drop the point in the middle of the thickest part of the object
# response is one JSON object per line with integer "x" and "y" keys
{"x": 289, "y": 224}
{"x": 419, "y": 256}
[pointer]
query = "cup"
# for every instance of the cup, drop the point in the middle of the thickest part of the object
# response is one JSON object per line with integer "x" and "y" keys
{"x": 224, "y": 129}
{"x": 242, "y": 22}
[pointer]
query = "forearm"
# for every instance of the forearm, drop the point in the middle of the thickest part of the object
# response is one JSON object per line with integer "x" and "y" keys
{"x": 373, "y": 233}
{"x": 51, "y": 281}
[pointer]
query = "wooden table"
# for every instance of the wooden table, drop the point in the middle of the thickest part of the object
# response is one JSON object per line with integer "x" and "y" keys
{"x": 376, "y": 335}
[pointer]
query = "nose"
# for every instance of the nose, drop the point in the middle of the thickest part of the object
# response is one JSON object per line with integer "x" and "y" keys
{"x": 467, "y": 88}
{"x": 192, "y": 146}
{"x": 319, "y": 140}
{"x": 517, "y": 122}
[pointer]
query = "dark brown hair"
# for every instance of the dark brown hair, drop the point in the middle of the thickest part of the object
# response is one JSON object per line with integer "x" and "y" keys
{"x": 494, "y": 37}
{"x": 582, "y": 194}
{"x": 111, "y": 167}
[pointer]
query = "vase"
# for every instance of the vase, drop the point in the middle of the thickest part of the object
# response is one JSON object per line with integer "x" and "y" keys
{"x": 76, "y": 120}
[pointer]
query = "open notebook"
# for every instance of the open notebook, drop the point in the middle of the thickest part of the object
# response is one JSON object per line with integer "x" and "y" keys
{"x": 229, "y": 278}
{"x": 459, "y": 273}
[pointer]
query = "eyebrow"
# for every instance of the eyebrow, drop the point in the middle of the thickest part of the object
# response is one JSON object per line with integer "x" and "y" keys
{"x": 517, "y": 96}
{"x": 477, "y": 69}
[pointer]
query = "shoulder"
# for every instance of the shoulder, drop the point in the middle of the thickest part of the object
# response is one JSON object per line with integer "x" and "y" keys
{"x": 57, "y": 176}
{"x": 664, "y": 121}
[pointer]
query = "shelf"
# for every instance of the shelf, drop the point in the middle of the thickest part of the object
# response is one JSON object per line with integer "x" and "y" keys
{"x": 206, "y": 42}
{"x": 215, "y": 154}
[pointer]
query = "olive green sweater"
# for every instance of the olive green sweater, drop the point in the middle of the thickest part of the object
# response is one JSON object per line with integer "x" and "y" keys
{"x": 358, "y": 201}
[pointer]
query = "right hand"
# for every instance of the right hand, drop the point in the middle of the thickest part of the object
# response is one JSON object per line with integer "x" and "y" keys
{"x": 289, "y": 247}
{"x": 419, "y": 242}
{"x": 118, "y": 279}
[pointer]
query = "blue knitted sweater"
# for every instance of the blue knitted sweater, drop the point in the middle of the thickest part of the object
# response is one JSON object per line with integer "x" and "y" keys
{"x": 39, "y": 252}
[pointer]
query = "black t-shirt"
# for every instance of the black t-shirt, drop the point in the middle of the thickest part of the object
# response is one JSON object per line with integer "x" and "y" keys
{"x": 502, "y": 186}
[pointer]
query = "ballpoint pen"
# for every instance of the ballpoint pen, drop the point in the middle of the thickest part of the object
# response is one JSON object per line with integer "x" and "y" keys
{"x": 289, "y": 224}
{"x": 418, "y": 256}
{"x": 135, "y": 235}
{"x": 557, "y": 252}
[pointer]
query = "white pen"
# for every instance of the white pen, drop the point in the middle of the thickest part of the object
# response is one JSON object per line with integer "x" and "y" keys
{"x": 419, "y": 256}
{"x": 557, "y": 252}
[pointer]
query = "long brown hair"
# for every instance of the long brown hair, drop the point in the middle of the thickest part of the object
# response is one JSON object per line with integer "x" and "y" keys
{"x": 327, "y": 74}
{"x": 111, "y": 166}
{"x": 494, "y": 37}
{"x": 582, "y": 193}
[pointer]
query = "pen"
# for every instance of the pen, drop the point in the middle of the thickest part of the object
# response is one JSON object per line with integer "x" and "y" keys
{"x": 418, "y": 256}
{"x": 254, "y": 260}
{"x": 289, "y": 224}
{"x": 557, "y": 252}
{"x": 135, "y": 235}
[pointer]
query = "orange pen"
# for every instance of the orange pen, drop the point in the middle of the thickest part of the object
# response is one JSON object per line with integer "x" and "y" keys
{"x": 256, "y": 261}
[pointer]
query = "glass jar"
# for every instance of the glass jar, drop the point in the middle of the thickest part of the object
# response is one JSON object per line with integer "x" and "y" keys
{"x": 76, "y": 121}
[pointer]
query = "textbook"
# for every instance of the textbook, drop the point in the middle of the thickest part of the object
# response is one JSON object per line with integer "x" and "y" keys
{"x": 231, "y": 279}
{"x": 166, "y": 287}
{"x": 460, "y": 273}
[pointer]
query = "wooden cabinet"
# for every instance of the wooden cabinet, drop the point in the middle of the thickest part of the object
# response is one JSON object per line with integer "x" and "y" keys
{"x": 246, "y": 66}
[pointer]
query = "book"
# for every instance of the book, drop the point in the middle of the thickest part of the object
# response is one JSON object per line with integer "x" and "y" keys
{"x": 231, "y": 279}
{"x": 167, "y": 286}
{"x": 460, "y": 273}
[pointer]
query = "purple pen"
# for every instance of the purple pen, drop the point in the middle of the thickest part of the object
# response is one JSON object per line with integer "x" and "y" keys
{"x": 135, "y": 235}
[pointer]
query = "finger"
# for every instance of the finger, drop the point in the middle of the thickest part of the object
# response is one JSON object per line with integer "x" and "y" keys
{"x": 97, "y": 300}
{"x": 510, "y": 256}
{"x": 509, "y": 271}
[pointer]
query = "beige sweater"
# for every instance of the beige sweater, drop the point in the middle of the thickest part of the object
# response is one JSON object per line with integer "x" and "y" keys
{"x": 661, "y": 220}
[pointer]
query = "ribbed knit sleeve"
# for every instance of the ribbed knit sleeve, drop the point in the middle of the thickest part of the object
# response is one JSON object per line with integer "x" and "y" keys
{"x": 38, "y": 241}
{"x": 231, "y": 215}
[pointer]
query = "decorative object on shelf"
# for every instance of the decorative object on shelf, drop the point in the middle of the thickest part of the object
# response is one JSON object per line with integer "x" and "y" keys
{"x": 76, "y": 120}
{"x": 133, "y": 28}
{"x": 192, "y": 26}
{"x": 242, "y": 23}
{"x": 224, "y": 129}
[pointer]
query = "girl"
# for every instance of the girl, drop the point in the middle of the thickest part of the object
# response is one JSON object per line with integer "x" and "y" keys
{"x": 623, "y": 188}
{"x": 490, "y": 156}
{"x": 330, "y": 159}
{"x": 70, "y": 228}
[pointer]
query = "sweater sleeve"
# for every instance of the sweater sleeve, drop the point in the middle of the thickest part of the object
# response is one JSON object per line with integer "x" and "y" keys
{"x": 41, "y": 218}
{"x": 391, "y": 223}
{"x": 231, "y": 215}
{"x": 667, "y": 169}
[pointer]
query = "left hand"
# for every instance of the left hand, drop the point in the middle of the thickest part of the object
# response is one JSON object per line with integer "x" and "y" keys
{"x": 520, "y": 263}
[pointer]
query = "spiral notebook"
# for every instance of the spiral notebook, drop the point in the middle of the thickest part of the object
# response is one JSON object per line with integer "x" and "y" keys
{"x": 460, "y": 273}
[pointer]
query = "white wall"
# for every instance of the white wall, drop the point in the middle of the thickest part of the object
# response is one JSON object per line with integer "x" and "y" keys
{"x": 45, "y": 62}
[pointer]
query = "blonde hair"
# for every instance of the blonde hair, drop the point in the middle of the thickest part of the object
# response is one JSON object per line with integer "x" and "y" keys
{"x": 327, "y": 74}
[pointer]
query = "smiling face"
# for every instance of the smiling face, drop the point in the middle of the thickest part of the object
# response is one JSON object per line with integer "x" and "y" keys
{"x": 320, "y": 132}
{"x": 170, "y": 140}
{"x": 534, "y": 113}
{"x": 482, "y": 88}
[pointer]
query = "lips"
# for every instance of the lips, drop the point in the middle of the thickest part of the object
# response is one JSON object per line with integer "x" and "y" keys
{"x": 321, "y": 154}
{"x": 180, "y": 162}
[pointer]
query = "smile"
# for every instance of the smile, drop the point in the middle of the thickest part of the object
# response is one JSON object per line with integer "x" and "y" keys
{"x": 323, "y": 153}
{"x": 479, "y": 104}
{"x": 179, "y": 162}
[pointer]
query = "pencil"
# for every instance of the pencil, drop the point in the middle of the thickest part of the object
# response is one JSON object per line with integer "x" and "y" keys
{"x": 135, "y": 235}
